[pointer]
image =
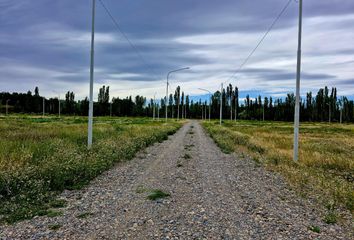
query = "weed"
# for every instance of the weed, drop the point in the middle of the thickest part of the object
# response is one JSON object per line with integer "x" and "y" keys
{"x": 315, "y": 229}
{"x": 325, "y": 168}
{"x": 52, "y": 213}
{"x": 187, "y": 147}
{"x": 54, "y": 227}
{"x": 157, "y": 194}
{"x": 187, "y": 156}
{"x": 179, "y": 164}
{"x": 330, "y": 218}
{"x": 39, "y": 158}
{"x": 84, "y": 215}
{"x": 58, "y": 203}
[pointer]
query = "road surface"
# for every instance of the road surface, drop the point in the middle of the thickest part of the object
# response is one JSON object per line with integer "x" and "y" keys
{"x": 212, "y": 196}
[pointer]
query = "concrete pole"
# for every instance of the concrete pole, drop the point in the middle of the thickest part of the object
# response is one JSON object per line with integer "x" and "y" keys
{"x": 221, "y": 103}
{"x": 166, "y": 101}
{"x": 341, "y": 115}
{"x": 158, "y": 112}
{"x": 168, "y": 74}
{"x": 209, "y": 107}
{"x": 90, "y": 115}
{"x": 297, "y": 100}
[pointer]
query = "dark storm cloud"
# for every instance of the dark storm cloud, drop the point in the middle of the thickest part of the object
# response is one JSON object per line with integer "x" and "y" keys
{"x": 46, "y": 43}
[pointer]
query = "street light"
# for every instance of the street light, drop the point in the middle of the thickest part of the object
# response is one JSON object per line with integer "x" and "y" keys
{"x": 297, "y": 100}
{"x": 90, "y": 113}
{"x": 205, "y": 90}
{"x": 168, "y": 75}
{"x": 221, "y": 92}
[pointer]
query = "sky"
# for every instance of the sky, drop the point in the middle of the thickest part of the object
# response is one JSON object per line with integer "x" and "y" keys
{"x": 46, "y": 43}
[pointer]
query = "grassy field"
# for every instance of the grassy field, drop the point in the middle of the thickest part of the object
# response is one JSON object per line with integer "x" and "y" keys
{"x": 40, "y": 157}
{"x": 326, "y": 166}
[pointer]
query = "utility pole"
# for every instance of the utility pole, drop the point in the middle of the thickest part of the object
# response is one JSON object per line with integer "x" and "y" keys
{"x": 90, "y": 115}
{"x": 209, "y": 107}
{"x": 297, "y": 100}
{"x": 341, "y": 115}
{"x": 158, "y": 112}
{"x": 221, "y": 103}
{"x": 206, "y": 90}
{"x": 203, "y": 111}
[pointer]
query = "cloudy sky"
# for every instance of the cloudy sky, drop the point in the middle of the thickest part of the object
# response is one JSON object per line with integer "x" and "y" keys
{"x": 46, "y": 43}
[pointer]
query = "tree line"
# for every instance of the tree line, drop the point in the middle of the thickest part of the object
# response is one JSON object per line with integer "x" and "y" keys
{"x": 324, "y": 106}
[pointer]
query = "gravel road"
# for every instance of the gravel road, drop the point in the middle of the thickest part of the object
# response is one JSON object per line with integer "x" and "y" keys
{"x": 212, "y": 196}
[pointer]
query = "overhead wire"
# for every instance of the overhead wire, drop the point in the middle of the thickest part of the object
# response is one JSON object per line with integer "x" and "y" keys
{"x": 132, "y": 45}
{"x": 260, "y": 42}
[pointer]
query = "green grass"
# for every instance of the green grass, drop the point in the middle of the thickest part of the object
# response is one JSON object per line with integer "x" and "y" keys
{"x": 330, "y": 218}
{"x": 157, "y": 194}
{"x": 325, "y": 169}
{"x": 40, "y": 157}
{"x": 315, "y": 229}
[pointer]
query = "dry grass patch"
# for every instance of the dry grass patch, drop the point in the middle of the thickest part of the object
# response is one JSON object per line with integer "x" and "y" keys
{"x": 326, "y": 165}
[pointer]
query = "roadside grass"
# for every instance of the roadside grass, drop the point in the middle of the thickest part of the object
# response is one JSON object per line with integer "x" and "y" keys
{"x": 325, "y": 170}
{"x": 40, "y": 157}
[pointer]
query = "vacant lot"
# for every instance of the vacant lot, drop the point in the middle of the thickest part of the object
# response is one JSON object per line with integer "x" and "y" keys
{"x": 325, "y": 170}
{"x": 40, "y": 157}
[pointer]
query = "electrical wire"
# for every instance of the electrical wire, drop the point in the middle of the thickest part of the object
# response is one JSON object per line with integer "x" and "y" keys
{"x": 260, "y": 42}
{"x": 126, "y": 38}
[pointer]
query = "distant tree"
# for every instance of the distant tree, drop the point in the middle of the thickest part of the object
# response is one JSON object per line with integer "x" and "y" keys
{"x": 36, "y": 92}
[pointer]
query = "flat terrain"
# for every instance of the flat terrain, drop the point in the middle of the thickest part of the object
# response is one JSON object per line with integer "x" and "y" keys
{"x": 212, "y": 195}
{"x": 40, "y": 157}
{"x": 325, "y": 169}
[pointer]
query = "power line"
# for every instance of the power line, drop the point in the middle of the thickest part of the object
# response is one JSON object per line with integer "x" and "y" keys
{"x": 260, "y": 42}
{"x": 126, "y": 37}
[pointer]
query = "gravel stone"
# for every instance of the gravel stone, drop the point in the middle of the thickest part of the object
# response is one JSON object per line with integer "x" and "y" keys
{"x": 212, "y": 196}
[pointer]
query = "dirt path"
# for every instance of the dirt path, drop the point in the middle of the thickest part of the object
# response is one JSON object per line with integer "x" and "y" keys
{"x": 213, "y": 196}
